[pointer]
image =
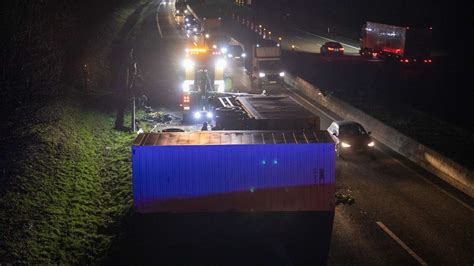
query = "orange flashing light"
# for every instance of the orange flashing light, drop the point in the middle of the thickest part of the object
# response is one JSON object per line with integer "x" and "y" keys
{"x": 196, "y": 51}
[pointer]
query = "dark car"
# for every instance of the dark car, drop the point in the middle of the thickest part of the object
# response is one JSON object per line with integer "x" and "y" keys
{"x": 235, "y": 52}
{"x": 350, "y": 137}
{"x": 332, "y": 48}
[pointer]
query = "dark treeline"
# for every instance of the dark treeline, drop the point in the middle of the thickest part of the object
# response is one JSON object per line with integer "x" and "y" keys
{"x": 41, "y": 49}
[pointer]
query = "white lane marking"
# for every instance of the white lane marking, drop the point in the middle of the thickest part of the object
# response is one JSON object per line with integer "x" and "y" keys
{"x": 157, "y": 20}
{"x": 390, "y": 156}
{"x": 401, "y": 243}
{"x": 307, "y": 32}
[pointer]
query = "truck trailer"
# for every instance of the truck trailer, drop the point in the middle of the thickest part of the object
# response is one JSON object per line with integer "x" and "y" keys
{"x": 220, "y": 171}
{"x": 405, "y": 44}
{"x": 264, "y": 195}
{"x": 258, "y": 112}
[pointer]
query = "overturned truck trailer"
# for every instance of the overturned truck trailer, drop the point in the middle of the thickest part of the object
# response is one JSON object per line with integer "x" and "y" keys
{"x": 249, "y": 184}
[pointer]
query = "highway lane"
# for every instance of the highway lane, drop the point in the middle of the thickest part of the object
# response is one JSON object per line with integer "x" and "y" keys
{"x": 388, "y": 191}
{"x": 394, "y": 198}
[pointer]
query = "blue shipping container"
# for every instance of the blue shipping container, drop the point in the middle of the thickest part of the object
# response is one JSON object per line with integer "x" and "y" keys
{"x": 221, "y": 171}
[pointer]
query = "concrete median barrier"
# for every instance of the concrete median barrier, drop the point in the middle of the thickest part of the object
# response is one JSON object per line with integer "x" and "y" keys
{"x": 443, "y": 167}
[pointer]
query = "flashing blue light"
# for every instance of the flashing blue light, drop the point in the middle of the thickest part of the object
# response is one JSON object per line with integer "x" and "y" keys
{"x": 275, "y": 161}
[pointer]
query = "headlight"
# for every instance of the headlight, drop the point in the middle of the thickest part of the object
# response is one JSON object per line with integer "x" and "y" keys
{"x": 195, "y": 29}
{"x": 282, "y": 74}
{"x": 197, "y": 115}
{"x": 223, "y": 50}
{"x": 177, "y": 11}
{"x": 371, "y": 144}
{"x": 221, "y": 63}
{"x": 209, "y": 115}
{"x": 244, "y": 55}
{"x": 229, "y": 55}
{"x": 214, "y": 46}
{"x": 188, "y": 63}
{"x": 207, "y": 36}
{"x": 345, "y": 145}
{"x": 185, "y": 11}
{"x": 261, "y": 74}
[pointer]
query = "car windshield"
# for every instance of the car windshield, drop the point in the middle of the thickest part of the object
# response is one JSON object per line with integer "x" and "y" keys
{"x": 236, "y": 49}
{"x": 270, "y": 64}
{"x": 352, "y": 130}
{"x": 334, "y": 44}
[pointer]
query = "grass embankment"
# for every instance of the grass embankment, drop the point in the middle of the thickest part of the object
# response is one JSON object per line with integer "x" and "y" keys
{"x": 74, "y": 185}
{"x": 66, "y": 192}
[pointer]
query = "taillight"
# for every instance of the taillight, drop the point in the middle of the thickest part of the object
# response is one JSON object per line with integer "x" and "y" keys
{"x": 341, "y": 49}
{"x": 405, "y": 60}
{"x": 330, "y": 49}
{"x": 186, "y": 99}
{"x": 428, "y": 61}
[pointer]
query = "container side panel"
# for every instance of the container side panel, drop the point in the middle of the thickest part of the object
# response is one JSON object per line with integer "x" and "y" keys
{"x": 267, "y": 177}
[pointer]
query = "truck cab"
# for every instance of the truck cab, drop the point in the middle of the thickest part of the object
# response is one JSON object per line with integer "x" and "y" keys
{"x": 204, "y": 77}
{"x": 264, "y": 65}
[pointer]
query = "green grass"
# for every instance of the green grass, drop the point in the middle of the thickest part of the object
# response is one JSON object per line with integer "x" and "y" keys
{"x": 71, "y": 186}
{"x": 75, "y": 184}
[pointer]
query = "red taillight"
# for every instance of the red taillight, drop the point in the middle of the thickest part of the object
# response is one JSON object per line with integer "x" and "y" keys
{"x": 330, "y": 49}
{"x": 341, "y": 49}
{"x": 428, "y": 61}
{"x": 405, "y": 60}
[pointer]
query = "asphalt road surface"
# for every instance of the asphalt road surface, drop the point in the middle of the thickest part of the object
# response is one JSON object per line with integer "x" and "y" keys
{"x": 401, "y": 214}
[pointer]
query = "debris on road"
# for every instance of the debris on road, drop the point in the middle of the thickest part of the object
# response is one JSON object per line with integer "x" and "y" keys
{"x": 344, "y": 198}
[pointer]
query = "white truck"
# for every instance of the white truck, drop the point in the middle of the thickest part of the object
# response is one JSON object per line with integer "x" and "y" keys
{"x": 264, "y": 65}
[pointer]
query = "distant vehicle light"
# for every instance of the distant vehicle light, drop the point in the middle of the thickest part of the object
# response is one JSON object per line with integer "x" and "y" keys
{"x": 371, "y": 144}
{"x": 278, "y": 44}
{"x": 207, "y": 36}
{"x": 185, "y": 11}
{"x": 214, "y": 46}
{"x": 330, "y": 49}
{"x": 244, "y": 55}
{"x": 282, "y": 74}
{"x": 197, "y": 115}
{"x": 187, "y": 63}
{"x": 345, "y": 145}
{"x": 261, "y": 74}
{"x": 177, "y": 11}
{"x": 229, "y": 55}
{"x": 209, "y": 115}
{"x": 221, "y": 63}
{"x": 341, "y": 49}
